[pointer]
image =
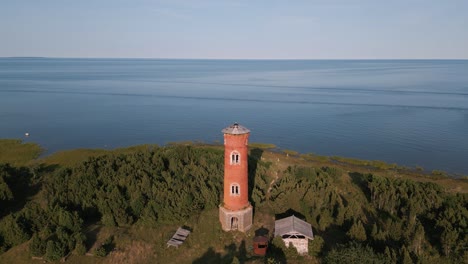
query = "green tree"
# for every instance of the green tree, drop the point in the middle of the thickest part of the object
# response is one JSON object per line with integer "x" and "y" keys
{"x": 5, "y": 191}
{"x": 235, "y": 260}
{"x": 357, "y": 231}
{"x": 37, "y": 247}
{"x": 354, "y": 253}
{"x": 3, "y": 247}
{"x": 316, "y": 246}
{"x": 448, "y": 240}
{"x": 390, "y": 255}
{"x": 405, "y": 256}
{"x": 13, "y": 231}
{"x": 418, "y": 239}
{"x": 54, "y": 250}
{"x": 100, "y": 251}
{"x": 291, "y": 251}
{"x": 80, "y": 248}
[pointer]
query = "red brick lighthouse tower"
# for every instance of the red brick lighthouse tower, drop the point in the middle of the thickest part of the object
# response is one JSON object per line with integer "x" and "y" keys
{"x": 236, "y": 212}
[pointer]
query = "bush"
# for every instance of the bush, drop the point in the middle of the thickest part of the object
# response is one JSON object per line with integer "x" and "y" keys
{"x": 54, "y": 251}
{"x": 357, "y": 231}
{"x": 13, "y": 231}
{"x": 37, "y": 247}
{"x": 439, "y": 173}
{"x": 316, "y": 245}
{"x": 100, "y": 252}
{"x": 80, "y": 248}
{"x": 105, "y": 248}
{"x": 354, "y": 253}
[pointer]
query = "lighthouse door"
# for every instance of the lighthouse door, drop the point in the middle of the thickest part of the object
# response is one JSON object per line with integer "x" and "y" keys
{"x": 234, "y": 224}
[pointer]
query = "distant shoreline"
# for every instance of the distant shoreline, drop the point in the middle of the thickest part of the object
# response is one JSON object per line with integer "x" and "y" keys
{"x": 237, "y": 59}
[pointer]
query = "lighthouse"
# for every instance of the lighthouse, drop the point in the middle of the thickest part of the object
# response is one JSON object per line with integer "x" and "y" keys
{"x": 236, "y": 212}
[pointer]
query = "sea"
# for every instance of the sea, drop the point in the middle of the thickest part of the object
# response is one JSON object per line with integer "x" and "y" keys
{"x": 409, "y": 112}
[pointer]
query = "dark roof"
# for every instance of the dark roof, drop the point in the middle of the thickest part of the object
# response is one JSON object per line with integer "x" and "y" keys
{"x": 260, "y": 239}
{"x": 292, "y": 224}
{"x": 235, "y": 129}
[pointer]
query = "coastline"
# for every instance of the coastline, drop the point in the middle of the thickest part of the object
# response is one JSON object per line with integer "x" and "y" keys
{"x": 73, "y": 157}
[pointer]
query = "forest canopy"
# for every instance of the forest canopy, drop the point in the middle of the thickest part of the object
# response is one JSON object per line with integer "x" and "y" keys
{"x": 354, "y": 214}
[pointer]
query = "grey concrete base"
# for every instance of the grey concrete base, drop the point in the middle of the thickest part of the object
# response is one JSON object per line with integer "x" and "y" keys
{"x": 235, "y": 220}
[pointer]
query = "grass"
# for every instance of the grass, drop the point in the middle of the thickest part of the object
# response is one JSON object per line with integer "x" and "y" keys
{"x": 313, "y": 156}
{"x": 183, "y": 143}
{"x": 372, "y": 163}
{"x": 74, "y": 157}
{"x": 262, "y": 145}
{"x": 18, "y": 153}
{"x": 291, "y": 152}
{"x": 18, "y": 255}
{"x": 207, "y": 243}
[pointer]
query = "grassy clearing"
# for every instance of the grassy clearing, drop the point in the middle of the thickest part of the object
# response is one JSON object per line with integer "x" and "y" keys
{"x": 206, "y": 244}
{"x": 262, "y": 145}
{"x": 313, "y": 156}
{"x": 74, "y": 157}
{"x": 291, "y": 152}
{"x": 372, "y": 163}
{"x": 18, "y": 153}
{"x": 18, "y": 255}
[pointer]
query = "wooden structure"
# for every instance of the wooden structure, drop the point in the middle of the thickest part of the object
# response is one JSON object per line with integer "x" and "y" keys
{"x": 236, "y": 212}
{"x": 260, "y": 245}
{"x": 178, "y": 238}
{"x": 296, "y": 231}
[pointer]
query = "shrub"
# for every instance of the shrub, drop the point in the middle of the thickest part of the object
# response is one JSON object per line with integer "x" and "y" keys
{"x": 54, "y": 251}
{"x": 354, "y": 253}
{"x": 37, "y": 247}
{"x": 100, "y": 251}
{"x": 316, "y": 245}
{"x": 80, "y": 248}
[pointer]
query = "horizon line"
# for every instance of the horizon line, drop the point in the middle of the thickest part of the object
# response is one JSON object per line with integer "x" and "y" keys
{"x": 238, "y": 59}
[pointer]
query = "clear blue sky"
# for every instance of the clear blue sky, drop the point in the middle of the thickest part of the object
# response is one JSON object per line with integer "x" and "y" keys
{"x": 255, "y": 29}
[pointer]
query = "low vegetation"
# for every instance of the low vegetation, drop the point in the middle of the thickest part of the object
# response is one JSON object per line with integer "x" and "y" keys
{"x": 15, "y": 152}
{"x": 121, "y": 206}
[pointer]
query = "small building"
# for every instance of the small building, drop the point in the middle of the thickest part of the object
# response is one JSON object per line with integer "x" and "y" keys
{"x": 296, "y": 231}
{"x": 260, "y": 245}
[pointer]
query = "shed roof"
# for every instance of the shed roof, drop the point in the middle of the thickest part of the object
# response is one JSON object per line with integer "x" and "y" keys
{"x": 260, "y": 239}
{"x": 293, "y": 224}
{"x": 236, "y": 129}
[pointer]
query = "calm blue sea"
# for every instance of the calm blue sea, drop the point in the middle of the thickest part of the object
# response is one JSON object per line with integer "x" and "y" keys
{"x": 411, "y": 112}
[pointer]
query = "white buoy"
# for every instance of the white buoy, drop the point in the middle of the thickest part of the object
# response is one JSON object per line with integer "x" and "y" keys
{"x": 26, "y": 134}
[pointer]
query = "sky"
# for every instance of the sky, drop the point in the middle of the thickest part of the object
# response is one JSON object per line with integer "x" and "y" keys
{"x": 235, "y": 29}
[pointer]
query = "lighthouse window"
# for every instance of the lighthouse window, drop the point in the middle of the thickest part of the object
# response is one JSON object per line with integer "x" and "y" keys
{"x": 235, "y": 189}
{"x": 235, "y": 158}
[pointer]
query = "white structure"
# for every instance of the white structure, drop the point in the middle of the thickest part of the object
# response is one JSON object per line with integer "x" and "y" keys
{"x": 296, "y": 231}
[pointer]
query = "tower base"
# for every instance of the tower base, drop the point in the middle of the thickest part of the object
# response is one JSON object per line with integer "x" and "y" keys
{"x": 235, "y": 220}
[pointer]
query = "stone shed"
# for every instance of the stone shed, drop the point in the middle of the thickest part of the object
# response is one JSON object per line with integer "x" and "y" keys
{"x": 296, "y": 231}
